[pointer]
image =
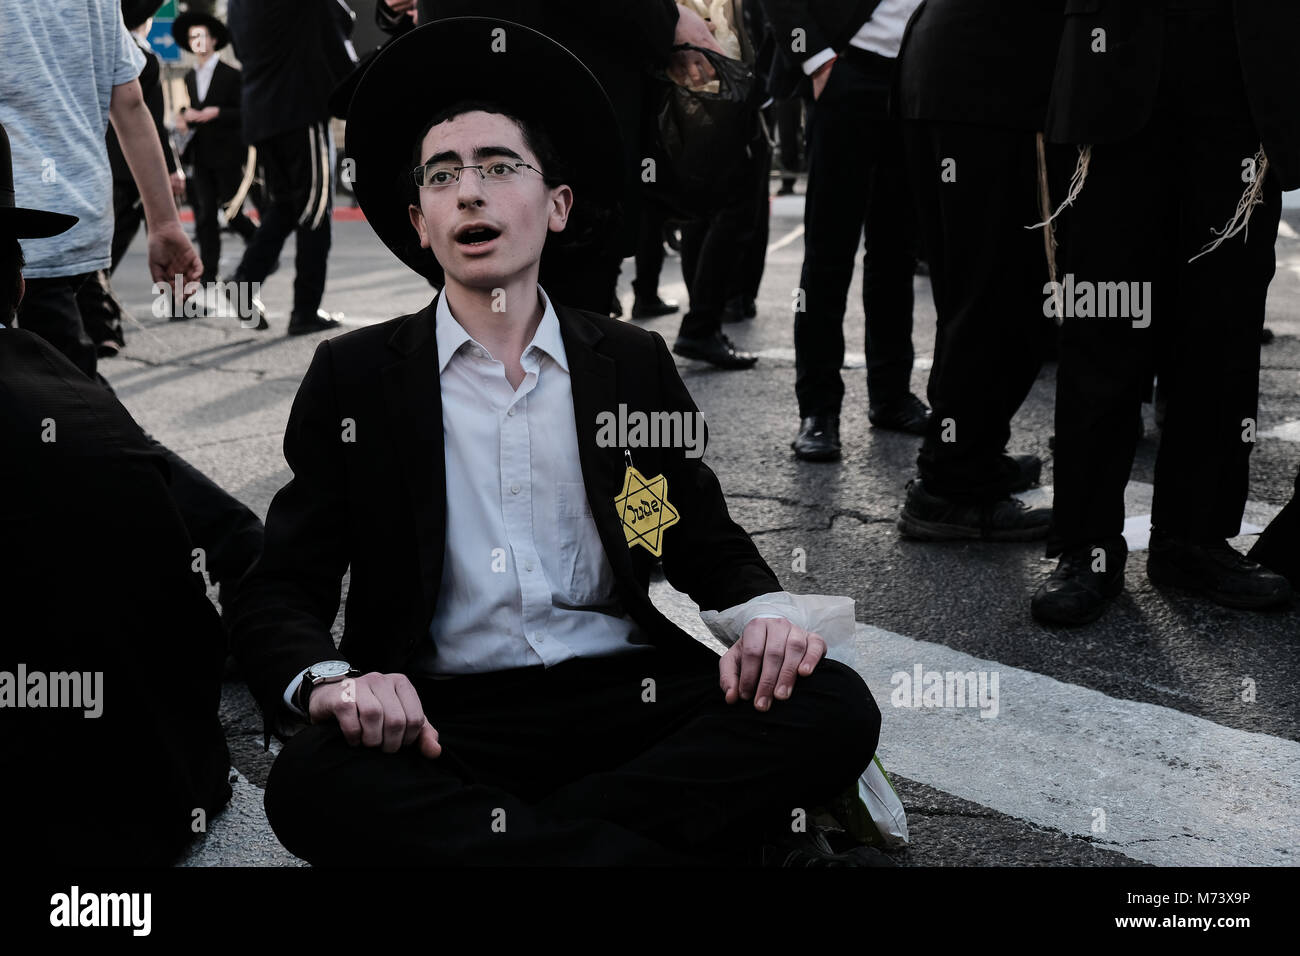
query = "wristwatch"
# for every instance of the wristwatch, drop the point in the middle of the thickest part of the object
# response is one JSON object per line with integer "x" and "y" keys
{"x": 326, "y": 672}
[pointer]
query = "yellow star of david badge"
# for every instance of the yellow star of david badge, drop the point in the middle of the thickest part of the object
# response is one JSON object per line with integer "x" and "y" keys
{"x": 644, "y": 508}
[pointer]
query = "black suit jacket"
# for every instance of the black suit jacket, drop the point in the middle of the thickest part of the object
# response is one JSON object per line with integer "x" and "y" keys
{"x": 113, "y": 590}
{"x": 825, "y": 23}
{"x": 988, "y": 62}
{"x": 218, "y": 142}
{"x": 293, "y": 53}
{"x": 1107, "y": 98}
{"x": 378, "y": 504}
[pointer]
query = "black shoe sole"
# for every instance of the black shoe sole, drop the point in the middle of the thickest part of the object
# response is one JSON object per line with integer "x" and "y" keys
{"x": 1079, "y": 621}
{"x": 916, "y": 529}
{"x": 715, "y": 361}
{"x": 804, "y": 455}
{"x": 1177, "y": 580}
{"x": 654, "y": 313}
{"x": 917, "y": 428}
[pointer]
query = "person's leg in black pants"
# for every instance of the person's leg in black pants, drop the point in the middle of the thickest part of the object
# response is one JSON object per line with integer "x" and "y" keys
{"x": 206, "y": 227}
{"x": 712, "y": 257}
{"x": 987, "y": 271}
{"x": 649, "y": 255}
{"x": 854, "y": 163}
{"x": 101, "y": 313}
{"x": 296, "y": 201}
{"x": 228, "y": 180}
{"x": 789, "y": 125}
{"x": 573, "y": 765}
{"x": 740, "y": 303}
{"x": 128, "y": 217}
{"x": 49, "y": 309}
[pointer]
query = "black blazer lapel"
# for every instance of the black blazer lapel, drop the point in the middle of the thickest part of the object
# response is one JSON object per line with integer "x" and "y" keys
{"x": 594, "y": 382}
{"x": 413, "y": 394}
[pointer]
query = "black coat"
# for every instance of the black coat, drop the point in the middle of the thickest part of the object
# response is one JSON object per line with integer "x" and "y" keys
{"x": 218, "y": 142}
{"x": 86, "y": 587}
{"x": 825, "y": 23}
{"x": 988, "y": 62}
{"x": 378, "y": 504}
{"x": 293, "y": 53}
{"x": 1108, "y": 98}
{"x": 618, "y": 41}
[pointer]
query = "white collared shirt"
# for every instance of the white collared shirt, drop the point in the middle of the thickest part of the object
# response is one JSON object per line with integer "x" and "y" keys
{"x": 525, "y": 578}
{"x": 203, "y": 78}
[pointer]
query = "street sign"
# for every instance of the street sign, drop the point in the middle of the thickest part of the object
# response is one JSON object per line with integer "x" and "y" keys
{"x": 160, "y": 38}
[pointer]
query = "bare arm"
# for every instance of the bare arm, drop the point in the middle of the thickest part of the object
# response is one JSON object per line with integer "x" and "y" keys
{"x": 170, "y": 252}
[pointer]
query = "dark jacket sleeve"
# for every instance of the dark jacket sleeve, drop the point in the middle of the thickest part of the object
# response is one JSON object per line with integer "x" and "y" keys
{"x": 290, "y": 598}
{"x": 786, "y": 16}
{"x": 712, "y": 559}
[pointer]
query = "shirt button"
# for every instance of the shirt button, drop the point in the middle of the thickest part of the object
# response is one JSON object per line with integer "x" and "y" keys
{"x": 541, "y": 640}
{"x": 512, "y": 410}
{"x": 528, "y": 566}
{"x": 514, "y": 489}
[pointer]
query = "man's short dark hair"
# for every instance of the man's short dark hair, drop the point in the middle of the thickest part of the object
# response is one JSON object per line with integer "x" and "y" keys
{"x": 11, "y": 273}
{"x": 535, "y": 138}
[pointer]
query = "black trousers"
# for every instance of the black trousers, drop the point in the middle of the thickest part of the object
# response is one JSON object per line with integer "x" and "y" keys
{"x": 856, "y": 177}
{"x": 229, "y": 533}
{"x": 789, "y": 125}
{"x": 211, "y": 188}
{"x": 298, "y": 172}
{"x": 717, "y": 251}
{"x": 987, "y": 271}
{"x": 1149, "y": 205}
{"x": 573, "y": 765}
{"x": 649, "y": 250}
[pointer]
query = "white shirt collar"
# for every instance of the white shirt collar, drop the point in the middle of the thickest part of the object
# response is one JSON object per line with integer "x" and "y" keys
{"x": 452, "y": 336}
{"x": 207, "y": 69}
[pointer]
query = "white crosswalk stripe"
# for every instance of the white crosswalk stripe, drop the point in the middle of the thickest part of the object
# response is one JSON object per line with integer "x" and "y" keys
{"x": 1156, "y": 784}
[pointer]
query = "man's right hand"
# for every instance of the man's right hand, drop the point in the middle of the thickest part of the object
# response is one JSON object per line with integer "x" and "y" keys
{"x": 376, "y": 710}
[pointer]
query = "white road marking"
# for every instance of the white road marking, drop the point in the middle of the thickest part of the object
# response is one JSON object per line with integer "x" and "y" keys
{"x": 1171, "y": 788}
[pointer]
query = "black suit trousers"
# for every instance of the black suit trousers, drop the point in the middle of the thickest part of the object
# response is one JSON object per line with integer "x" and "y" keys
{"x": 856, "y": 178}
{"x": 987, "y": 271}
{"x": 212, "y": 188}
{"x": 298, "y": 172}
{"x": 1148, "y": 206}
{"x": 587, "y": 762}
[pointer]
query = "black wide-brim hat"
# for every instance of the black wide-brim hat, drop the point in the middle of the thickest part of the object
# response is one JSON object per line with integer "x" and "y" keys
{"x": 16, "y": 221}
{"x": 193, "y": 18}
{"x": 135, "y": 12}
{"x": 511, "y": 65}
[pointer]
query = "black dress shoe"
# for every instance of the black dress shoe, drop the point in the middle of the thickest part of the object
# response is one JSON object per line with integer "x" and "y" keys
{"x": 927, "y": 517}
{"x": 320, "y": 322}
{"x": 235, "y": 306}
{"x": 653, "y": 308}
{"x": 1216, "y": 570}
{"x": 818, "y": 438}
{"x": 908, "y": 414}
{"x": 1031, "y": 469}
{"x": 1086, "y": 579}
{"x": 717, "y": 350}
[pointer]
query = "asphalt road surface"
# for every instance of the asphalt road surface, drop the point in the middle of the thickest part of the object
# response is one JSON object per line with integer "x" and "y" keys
{"x": 1131, "y": 741}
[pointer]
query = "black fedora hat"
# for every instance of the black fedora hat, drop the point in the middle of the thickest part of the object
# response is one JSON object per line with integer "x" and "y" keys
{"x": 193, "y": 18}
{"x": 135, "y": 12}
{"x": 16, "y": 221}
{"x": 477, "y": 58}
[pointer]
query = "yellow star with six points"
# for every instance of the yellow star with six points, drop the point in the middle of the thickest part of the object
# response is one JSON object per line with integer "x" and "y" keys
{"x": 643, "y": 506}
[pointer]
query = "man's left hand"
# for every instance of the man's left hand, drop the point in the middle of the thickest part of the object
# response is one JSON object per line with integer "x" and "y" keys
{"x": 766, "y": 660}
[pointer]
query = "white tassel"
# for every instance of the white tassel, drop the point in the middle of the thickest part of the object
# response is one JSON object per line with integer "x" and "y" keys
{"x": 1240, "y": 221}
{"x": 1076, "y": 185}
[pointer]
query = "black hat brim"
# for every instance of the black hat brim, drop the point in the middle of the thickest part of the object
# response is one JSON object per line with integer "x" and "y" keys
{"x": 441, "y": 62}
{"x": 33, "y": 223}
{"x": 136, "y": 12}
{"x": 192, "y": 18}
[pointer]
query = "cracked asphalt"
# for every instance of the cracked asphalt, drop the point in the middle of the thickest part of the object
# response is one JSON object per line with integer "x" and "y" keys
{"x": 220, "y": 395}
